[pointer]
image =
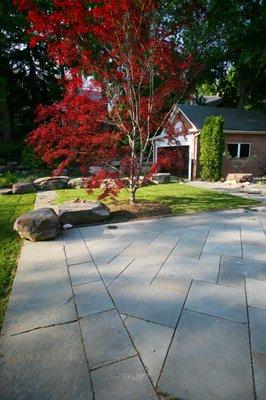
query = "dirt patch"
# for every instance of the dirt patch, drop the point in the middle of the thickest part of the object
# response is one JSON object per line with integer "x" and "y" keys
{"x": 123, "y": 210}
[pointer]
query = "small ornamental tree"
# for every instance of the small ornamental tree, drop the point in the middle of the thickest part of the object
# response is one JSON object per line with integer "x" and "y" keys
{"x": 212, "y": 148}
{"x": 139, "y": 72}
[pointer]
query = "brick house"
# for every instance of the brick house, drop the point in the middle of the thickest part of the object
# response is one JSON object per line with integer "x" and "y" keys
{"x": 244, "y": 132}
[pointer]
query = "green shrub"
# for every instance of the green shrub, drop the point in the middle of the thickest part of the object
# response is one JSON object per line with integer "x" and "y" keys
{"x": 30, "y": 160}
{"x": 8, "y": 178}
{"x": 9, "y": 151}
{"x": 212, "y": 148}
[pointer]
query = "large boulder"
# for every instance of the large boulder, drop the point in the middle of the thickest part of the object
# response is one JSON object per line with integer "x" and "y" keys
{"x": 23, "y": 187}
{"x": 83, "y": 213}
{"x": 162, "y": 177}
{"x": 5, "y": 192}
{"x": 239, "y": 177}
{"x": 38, "y": 225}
{"x": 77, "y": 183}
{"x": 51, "y": 182}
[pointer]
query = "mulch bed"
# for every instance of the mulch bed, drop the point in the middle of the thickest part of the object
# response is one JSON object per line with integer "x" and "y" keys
{"x": 123, "y": 210}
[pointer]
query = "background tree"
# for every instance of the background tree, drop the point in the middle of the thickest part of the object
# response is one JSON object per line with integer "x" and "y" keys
{"x": 140, "y": 69}
{"x": 211, "y": 148}
{"x": 27, "y": 76}
{"x": 227, "y": 37}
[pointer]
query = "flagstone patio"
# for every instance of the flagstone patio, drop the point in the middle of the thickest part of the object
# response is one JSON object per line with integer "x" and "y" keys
{"x": 169, "y": 308}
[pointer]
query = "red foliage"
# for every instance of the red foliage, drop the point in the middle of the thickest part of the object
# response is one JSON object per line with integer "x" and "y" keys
{"x": 72, "y": 130}
{"x": 171, "y": 159}
{"x": 138, "y": 66}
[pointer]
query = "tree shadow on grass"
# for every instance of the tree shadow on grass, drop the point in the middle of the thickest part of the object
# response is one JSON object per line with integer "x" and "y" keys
{"x": 216, "y": 201}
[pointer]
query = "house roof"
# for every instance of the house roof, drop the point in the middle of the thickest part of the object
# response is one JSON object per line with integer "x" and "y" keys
{"x": 234, "y": 119}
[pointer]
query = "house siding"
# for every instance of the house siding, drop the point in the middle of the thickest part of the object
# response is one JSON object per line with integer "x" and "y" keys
{"x": 257, "y": 155}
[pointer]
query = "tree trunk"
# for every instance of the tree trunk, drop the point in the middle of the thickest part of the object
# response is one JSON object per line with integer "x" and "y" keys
{"x": 243, "y": 92}
{"x": 133, "y": 195}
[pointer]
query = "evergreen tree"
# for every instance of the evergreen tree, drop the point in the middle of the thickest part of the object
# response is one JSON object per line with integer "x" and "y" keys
{"x": 212, "y": 148}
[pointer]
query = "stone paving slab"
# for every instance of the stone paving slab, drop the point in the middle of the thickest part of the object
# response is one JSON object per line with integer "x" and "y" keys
{"x": 256, "y": 293}
{"x": 224, "y": 242}
{"x": 257, "y": 323}
{"x": 253, "y": 236}
{"x": 110, "y": 271}
{"x": 107, "y": 250}
{"x": 219, "y": 301}
{"x": 134, "y": 229}
{"x": 259, "y": 366}
{"x": 105, "y": 339}
{"x": 43, "y": 364}
{"x": 152, "y": 342}
{"x": 210, "y": 258}
{"x": 233, "y": 280}
{"x": 71, "y": 235}
{"x": 159, "y": 306}
{"x": 245, "y": 268}
{"x": 76, "y": 252}
{"x": 142, "y": 238}
{"x": 126, "y": 380}
{"x": 125, "y": 294}
{"x": 254, "y": 252}
{"x": 148, "y": 253}
{"x": 166, "y": 239}
{"x": 92, "y": 298}
{"x": 209, "y": 359}
{"x": 41, "y": 293}
{"x": 95, "y": 232}
{"x": 141, "y": 270}
{"x": 191, "y": 243}
{"x": 192, "y": 269}
{"x": 83, "y": 273}
{"x": 172, "y": 282}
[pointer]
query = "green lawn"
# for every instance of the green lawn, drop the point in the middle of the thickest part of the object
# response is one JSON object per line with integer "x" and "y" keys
{"x": 180, "y": 198}
{"x": 10, "y": 208}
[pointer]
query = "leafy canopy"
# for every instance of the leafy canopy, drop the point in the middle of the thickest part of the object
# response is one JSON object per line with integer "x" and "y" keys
{"x": 139, "y": 72}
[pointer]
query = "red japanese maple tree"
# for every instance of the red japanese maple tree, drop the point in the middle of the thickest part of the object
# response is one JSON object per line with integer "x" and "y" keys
{"x": 138, "y": 70}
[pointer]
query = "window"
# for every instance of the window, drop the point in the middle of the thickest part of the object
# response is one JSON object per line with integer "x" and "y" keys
{"x": 232, "y": 149}
{"x": 244, "y": 150}
{"x": 239, "y": 150}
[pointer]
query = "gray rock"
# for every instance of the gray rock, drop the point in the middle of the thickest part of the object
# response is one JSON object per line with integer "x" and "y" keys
{"x": 83, "y": 213}
{"x": 161, "y": 178}
{"x": 5, "y": 192}
{"x": 38, "y": 225}
{"x": 23, "y": 187}
{"x": 239, "y": 177}
{"x": 77, "y": 183}
{"x": 51, "y": 182}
